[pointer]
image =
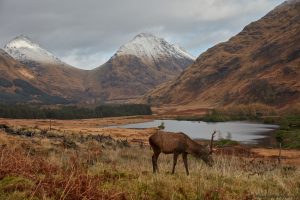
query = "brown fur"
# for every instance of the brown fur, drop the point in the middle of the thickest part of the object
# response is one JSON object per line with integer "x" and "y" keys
{"x": 177, "y": 143}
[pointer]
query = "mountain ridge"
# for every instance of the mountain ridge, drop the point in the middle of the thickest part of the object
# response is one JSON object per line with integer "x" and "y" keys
{"x": 258, "y": 65}
{"x": 124, "y": 76}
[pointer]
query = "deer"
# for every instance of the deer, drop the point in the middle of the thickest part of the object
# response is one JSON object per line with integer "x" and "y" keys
{"x": 176, "y": 144}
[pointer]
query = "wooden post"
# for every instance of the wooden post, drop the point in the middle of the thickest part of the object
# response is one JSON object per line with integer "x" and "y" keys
{"x": 50, "y": 124}
{"x": 279, "y": 157}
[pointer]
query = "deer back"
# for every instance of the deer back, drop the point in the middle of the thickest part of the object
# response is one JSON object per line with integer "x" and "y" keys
{"x": 169, "y": 142}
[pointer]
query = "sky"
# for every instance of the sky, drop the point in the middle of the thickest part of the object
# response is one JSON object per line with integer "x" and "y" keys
{"x": 86, "y": 33}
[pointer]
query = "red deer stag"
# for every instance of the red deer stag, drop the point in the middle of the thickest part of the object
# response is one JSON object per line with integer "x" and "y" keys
{"x": 179, "y": 143}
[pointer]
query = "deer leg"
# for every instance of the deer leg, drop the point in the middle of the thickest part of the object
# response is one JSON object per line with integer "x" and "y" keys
{"x": 154, "y": 161}
{"x": 156, "y": 165}
{"x": 174, "y": 161}
{"x": 184, "y": 157}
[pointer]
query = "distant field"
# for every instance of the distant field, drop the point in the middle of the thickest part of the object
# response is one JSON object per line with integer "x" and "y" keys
{"x": 87, "y": 126}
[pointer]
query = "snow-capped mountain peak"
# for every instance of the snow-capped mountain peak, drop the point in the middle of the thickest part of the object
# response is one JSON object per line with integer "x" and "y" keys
{"x": 23, "y": 49}
{"x": 21, "y": 41}
{"x": 146, "y": 45}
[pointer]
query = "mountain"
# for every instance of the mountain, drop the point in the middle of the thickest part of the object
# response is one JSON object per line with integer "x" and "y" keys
{"x": 260, "y": 64}
{"x": 138, "y": 66}
{"x": 134, "y": 69}
{"x": 18, "y": 84}
{"x": 54, "y": 76}
{"x": 152, "y": 49}
{"x": 24, "y": 50}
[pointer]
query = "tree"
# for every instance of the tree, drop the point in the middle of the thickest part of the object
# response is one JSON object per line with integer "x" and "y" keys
{"x": 161, "y": 126}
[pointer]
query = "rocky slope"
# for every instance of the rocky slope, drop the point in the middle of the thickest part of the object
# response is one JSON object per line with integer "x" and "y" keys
{"x": 138, "y": 66}
{"x": 260, "y": 64}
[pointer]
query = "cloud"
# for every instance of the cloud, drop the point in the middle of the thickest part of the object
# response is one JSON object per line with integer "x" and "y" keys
{"x": 88, "y": 32}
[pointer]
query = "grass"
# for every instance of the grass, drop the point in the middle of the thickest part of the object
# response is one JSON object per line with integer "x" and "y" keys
{"x": 289, "y": 131}
{"x": 38, "y": 167}
{"x": 240, "y": 112}
{"x": 230, "y": 178}
{"x": 14, "y": 187}
{"x": 188, "y": 118}
{"x": 225, "y": 142}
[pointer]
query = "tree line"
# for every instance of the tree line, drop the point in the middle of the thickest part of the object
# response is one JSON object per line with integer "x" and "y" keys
{"x": 72, "y": 112}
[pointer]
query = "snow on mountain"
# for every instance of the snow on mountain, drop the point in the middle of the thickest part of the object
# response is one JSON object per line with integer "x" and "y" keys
{"x": 24, "y": 50}
{"x": 182, "y": 51}
{"x": 146, "y": 45}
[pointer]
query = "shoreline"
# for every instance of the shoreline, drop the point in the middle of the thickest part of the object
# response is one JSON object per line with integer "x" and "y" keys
{"x": 267, "y": 140}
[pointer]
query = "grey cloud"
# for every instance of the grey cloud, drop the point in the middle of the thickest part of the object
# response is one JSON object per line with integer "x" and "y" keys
{"x": 83, "y": 32}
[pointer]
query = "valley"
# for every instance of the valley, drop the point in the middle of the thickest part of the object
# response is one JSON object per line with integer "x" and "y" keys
{"x": 69, "y": 133}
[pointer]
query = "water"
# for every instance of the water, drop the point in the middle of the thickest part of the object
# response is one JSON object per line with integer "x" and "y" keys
{"x": 244, "y": 132}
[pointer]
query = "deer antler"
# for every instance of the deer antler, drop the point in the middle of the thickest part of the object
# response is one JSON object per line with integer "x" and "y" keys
{"x": 211, "y": 141}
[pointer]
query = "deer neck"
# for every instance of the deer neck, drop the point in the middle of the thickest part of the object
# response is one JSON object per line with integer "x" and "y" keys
{"x": 193, "y": 147}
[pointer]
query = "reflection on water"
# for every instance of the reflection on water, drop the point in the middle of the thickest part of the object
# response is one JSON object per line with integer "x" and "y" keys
{"x": 245, "y": 132}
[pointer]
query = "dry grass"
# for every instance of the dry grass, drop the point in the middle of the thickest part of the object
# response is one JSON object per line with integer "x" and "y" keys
{"x": 230, "y": 178}
{"x": 39, "y": 168}
{"x": 291, "y": 110}
{"x": 31, "y": 175}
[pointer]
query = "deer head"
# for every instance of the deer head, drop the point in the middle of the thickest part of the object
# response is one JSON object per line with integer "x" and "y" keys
{"x": 206, "y": 153}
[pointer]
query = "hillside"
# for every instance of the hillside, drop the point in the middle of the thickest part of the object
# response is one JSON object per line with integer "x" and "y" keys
{"x": 260, "y": 64}
{"x": 18, "y": 83}
{"x": 52, "y": 75}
